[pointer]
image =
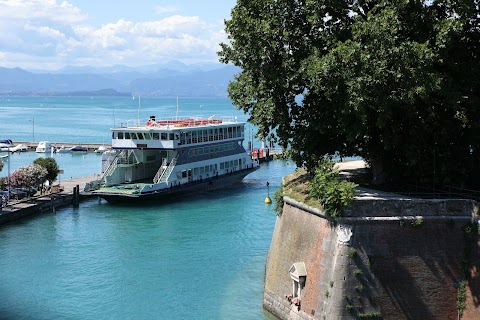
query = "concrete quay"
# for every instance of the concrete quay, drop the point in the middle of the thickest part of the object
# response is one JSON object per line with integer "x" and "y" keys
{"x": 89, "y": 146}
{"x": 63, "y": 195}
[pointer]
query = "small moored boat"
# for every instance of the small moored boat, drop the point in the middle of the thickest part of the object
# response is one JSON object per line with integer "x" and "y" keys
{"x": 19, "y": 148}
{"x": 101, "y": 149}
{"x": 5, "y": 144}
{"x": 78, "y": 149}
{"x": 62, "y": 149}
{"x": 44, "y": 147}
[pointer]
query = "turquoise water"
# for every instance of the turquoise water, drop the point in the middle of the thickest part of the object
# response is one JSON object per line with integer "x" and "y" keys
{"x": 201, "y": 257}
{"x": 89, "y": 119}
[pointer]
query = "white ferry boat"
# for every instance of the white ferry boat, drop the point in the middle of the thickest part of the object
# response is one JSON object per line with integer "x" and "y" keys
{"x": 163, "y": 157}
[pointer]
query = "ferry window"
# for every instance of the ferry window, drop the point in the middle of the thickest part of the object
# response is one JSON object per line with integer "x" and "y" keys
{"x": 215, "y": 134}
{"x": 195, "y": 171}
{"x": 235, "y": 163}
{"x": 189, "y": 137}
{"x": 205, "y": 135}
{"x": 240, "y": 162}
{"x": 170, "y": 136}
{"x": 127, "y": 135}
{"x": 206, "y": 169}
{"x": 217, "y": 148}
{"x": 202, "y": 170}
{"x": 184, "y": 173}
{"x": 231, "y": 164}
{"x": 148, "y": 136}
{"x": 133, "y": 135}
{"x": 194, "y": 137}
{"x": 211, "y": 149}
{"x": 222, "y": 165}
{"x": 156, "y": 136}
{"x": 140, "y": 136}
{"x": 200, "y": 151}
{"x": 227, "y": 165}
{"x": 163, "y": 136}
{"x": 120, "y": 135}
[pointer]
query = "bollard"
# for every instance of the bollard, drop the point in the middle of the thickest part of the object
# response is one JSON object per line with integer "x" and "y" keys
{"x": 52, "y": 200}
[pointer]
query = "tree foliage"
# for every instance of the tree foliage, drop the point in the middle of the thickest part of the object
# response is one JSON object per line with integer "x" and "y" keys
{"x": 50, "y": 165}
{"x": 395, "y": 82}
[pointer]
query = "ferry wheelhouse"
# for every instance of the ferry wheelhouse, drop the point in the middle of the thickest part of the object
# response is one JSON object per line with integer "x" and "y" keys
{"x": 167, "y": 156}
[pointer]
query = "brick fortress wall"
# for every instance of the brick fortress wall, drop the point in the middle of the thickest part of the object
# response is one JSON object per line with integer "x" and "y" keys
{"x": 390, "y": 259}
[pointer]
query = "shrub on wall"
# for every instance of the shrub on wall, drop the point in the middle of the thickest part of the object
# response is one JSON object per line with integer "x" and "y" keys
{"x": 331, "y": 191}
{"x": 278, "y": 200}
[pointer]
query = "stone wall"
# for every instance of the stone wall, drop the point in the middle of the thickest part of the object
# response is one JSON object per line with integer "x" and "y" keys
{"x": 390, "y": 259}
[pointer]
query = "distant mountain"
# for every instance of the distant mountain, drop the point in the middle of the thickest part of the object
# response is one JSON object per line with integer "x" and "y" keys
{"x": 202, "y": 83}
{"x": 172, "y": 78}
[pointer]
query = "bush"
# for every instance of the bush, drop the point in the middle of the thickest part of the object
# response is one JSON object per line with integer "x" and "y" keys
{"x": 417, "y": 223}
{"x": 331, "y": 191}
{"x": 278, "y": 199}
{"x": 28, "y": 176}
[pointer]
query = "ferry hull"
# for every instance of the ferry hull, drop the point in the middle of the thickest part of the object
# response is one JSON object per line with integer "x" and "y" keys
{"x": 206, "y": 185}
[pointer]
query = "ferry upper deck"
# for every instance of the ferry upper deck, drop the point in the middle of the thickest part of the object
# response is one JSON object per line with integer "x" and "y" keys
{"x": 176, "y": 133}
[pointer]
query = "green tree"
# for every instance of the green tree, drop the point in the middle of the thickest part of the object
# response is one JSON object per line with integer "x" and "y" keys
{"x": 51, "y": 166}
{"x": 395, "y": 82}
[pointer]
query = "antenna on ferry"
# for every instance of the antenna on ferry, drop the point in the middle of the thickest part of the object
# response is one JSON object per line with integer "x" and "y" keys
{"x": 176, "y": 115}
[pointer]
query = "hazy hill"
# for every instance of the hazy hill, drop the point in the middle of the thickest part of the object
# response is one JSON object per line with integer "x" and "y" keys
{"x": 164, "y": 79}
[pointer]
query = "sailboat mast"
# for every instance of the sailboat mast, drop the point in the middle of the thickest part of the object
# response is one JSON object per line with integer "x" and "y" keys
{"x": 138, "y": 111}
{"x": 176, "y": 115}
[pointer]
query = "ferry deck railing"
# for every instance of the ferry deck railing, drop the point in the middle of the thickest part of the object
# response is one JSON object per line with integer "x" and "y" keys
{"x": 113, "y": 165}
{"x": 166, "y": 173}
{"x": 160, "y": 171}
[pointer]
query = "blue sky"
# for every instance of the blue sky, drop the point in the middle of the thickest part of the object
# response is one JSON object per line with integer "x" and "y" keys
{"x": 49, "y": 34}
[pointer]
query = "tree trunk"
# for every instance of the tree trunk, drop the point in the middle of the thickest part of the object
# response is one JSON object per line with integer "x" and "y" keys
{"x": 377, "y": 171}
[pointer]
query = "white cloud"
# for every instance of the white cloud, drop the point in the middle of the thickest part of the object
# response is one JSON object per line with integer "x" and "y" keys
{"x": 44, "y": 33}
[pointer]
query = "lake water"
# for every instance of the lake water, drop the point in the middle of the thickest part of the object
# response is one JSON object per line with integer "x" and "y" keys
{"x": 200, "y": 257}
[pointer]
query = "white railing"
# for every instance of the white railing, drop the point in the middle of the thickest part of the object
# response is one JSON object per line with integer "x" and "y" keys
{"x": 160, "y": 171}
{"x": 187, "y": 121}
{"x": 168, "y": 171}
{"x": 113, "y": 165}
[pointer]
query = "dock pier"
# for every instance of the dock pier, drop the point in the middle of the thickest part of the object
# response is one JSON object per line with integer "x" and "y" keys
{"x": 66, "y": 194}
{"x": 90, "y": 146}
